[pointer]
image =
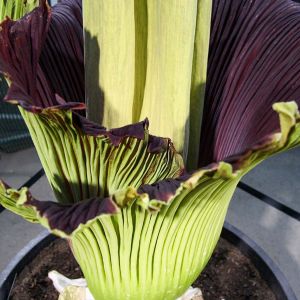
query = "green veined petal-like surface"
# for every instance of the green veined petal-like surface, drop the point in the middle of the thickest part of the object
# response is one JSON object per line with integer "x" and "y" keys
{"x": 81, "y": 166}
{"x": 152, "y": 243}
{"x": 13, "y": 200}
{"x": 16, "y": 9}
{"x": 135, "y": 253}
{"x": 141, "y": 255}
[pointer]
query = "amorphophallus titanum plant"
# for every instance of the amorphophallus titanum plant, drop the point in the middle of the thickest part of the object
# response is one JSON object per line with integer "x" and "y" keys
{"x": 139, "y": 224}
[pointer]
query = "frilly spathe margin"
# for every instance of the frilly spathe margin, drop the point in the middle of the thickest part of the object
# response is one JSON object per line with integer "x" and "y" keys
{"x": 67, "y": 220}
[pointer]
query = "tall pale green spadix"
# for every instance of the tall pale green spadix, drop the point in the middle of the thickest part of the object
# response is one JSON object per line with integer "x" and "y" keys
{"x": 148, "y": 59}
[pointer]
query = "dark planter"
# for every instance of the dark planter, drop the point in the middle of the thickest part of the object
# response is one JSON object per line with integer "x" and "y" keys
{"x": 269, "y": 271}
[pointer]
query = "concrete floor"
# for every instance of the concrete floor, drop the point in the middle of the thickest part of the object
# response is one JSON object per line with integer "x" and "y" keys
{"x": 277, "y": 233}
{"x": 16, "y": 168}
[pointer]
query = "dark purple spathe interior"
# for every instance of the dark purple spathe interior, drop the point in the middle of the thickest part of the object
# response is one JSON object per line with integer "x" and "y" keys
{"x": 42, "y": 54}
{"x": 254, "y": 61}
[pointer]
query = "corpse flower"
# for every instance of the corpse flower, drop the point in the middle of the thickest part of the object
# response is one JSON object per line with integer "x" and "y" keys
{"x": 138, "y": 223}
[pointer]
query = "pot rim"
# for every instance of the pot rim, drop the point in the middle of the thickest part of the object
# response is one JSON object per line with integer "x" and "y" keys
{"x": 269, "y": 271}
{"x": 21, "y": 259}
{"x": 267, "y": 268}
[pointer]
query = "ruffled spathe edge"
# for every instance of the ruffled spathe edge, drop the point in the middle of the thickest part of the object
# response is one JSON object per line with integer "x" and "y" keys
{"x": 64, "y": 221}
{"x": 57, "y": 114}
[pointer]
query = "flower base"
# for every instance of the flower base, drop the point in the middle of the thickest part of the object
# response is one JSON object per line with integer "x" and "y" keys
{"x": 39, "y": 259}
{"x": 74, "y": 289}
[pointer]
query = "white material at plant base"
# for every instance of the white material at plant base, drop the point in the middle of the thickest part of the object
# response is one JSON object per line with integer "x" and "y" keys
{"x": 192, "y": 294}
{"x": 70, "y": 289}
{"x": 73, "y": 289}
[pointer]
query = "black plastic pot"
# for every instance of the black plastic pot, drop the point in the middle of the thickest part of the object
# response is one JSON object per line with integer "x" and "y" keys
{"x": 267, "y": 268}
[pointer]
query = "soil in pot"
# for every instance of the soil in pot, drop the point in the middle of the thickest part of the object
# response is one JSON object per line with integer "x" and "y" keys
{"x": 228, "y": 276}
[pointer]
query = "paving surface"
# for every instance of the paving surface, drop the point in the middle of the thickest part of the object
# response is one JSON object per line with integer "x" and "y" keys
{"x": 16, "y": 168}
{"x": 279, "y": 177}
{"x": 271, "y": 229}
{"x": 276, "y": 232}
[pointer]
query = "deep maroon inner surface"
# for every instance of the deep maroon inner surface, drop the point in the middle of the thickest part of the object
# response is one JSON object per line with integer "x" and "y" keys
{"x": 254, "y": 61}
